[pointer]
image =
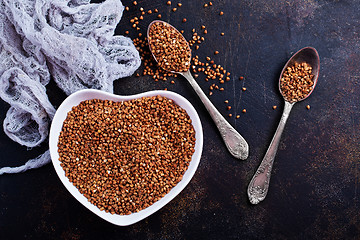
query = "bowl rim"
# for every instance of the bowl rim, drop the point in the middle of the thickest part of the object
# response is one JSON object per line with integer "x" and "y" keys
{"x": 87, "y": 94}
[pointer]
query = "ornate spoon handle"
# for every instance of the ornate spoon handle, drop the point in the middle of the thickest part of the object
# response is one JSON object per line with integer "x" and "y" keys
{"x": 259, "y": 184}
{"x": 234, "y": 142}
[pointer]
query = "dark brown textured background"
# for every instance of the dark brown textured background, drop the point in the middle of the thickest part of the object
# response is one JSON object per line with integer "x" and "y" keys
{"x": 314, "y": 191}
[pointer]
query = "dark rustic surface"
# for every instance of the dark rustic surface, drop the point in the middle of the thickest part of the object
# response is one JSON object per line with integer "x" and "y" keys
{"x": 314, "y": 190}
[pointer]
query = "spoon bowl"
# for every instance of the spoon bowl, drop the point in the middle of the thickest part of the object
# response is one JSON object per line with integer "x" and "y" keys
{"x": 259, "y": 184}
{"x": 308, "y": 55}
{"x": 234, "y": 142}
{"x": 178, "y": 33}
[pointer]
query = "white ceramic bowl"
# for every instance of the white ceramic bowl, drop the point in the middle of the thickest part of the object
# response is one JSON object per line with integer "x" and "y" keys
{"x": 123, "y": 220}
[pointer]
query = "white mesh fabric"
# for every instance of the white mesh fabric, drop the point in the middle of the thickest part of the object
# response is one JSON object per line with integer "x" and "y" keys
{"x": 27, "y": 119}
{"x": 71, "y": 40}
{"x": 37, "y": 162}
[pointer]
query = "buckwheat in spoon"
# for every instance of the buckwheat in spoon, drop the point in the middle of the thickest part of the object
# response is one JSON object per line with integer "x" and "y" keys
{"x": 172, "y": 52}
{"x": 297, "y": 81}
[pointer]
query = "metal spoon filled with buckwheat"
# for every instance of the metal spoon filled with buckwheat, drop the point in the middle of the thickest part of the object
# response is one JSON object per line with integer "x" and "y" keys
{"x": 172, "y": 53}
{"x": 297, "y": 81}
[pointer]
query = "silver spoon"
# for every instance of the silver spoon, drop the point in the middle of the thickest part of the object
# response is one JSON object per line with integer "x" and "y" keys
{"x": 259, "y": 184}
{"x": 234, "y": 142}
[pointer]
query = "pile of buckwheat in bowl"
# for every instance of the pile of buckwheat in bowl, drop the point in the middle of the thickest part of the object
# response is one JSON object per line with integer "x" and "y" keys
{"x": 297, "y": 82}
{"x": 124, "y": 156}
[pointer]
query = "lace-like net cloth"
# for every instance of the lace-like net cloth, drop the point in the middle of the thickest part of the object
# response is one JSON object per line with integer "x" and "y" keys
{"x": 71, "y": 40}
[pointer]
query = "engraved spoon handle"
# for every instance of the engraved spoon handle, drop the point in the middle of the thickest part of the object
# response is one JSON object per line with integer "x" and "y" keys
{"x": 234, "y": 142}
{"x": 259, "y": 184}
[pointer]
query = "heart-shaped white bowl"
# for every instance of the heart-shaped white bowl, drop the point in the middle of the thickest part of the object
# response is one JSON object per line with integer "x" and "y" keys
{"x": 123, "y": 220}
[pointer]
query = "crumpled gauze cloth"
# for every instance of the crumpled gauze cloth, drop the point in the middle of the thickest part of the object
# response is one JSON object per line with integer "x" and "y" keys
{"x": 70, "y": 40}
